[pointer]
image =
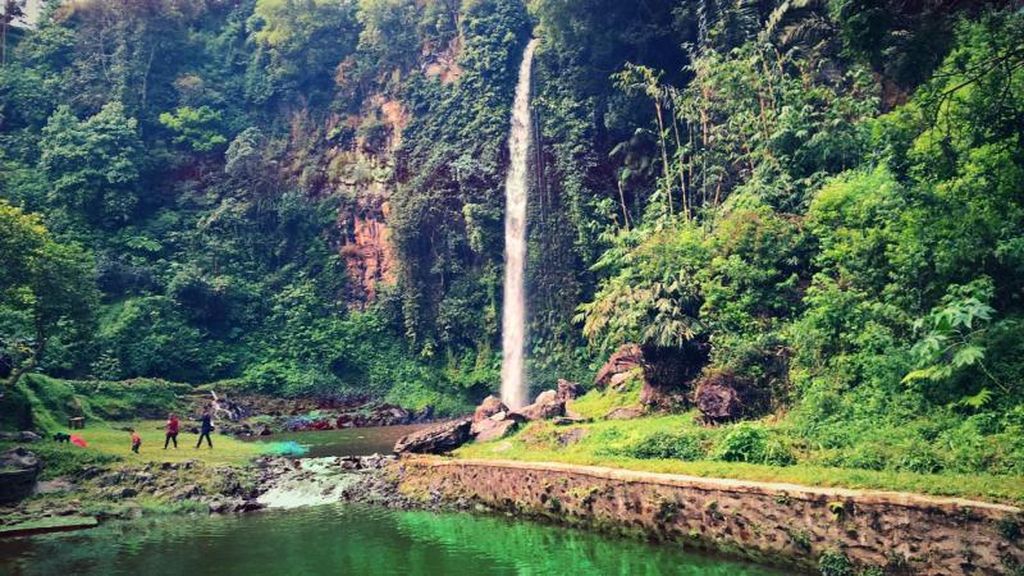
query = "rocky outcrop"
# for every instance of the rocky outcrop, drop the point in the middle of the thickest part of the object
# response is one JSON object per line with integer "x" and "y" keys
{"x": 19, "y": 470}
{"x": 25, "y": 436}
{"x": 490, "y": 429}
{"x": 492, "y": 420}
{"x": 440, "y": 439}
{"x": 489, "y": 407}
{"x": 546, "y": 407}
{"x": 669, "y": 374}
{"x": 627, "y": 358}
{"x": 567, "y": 391}
{"x": 665, "y": 374}
{"x": 724, "y": 397}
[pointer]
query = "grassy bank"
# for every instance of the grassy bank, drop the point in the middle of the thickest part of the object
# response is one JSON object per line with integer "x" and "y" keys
{"x": 767, "y": 450}
{"x": 109, "y": 439}
{"x": 538, "y": 443}
{"x": 45, "y": 404}
{"x": 42, "y": 403}
{"x": 110, "y": 446}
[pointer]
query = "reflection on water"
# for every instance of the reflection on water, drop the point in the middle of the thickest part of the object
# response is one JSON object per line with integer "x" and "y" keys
{"x": 348, "y": 442}
{"x": 347, "y": 540}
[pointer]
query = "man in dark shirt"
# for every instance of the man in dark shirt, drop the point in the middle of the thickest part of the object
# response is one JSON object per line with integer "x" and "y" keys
{"x": 205, "y": 429}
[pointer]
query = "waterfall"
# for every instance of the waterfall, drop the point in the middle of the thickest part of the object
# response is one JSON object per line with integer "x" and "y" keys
{"x": 514, "y": 389}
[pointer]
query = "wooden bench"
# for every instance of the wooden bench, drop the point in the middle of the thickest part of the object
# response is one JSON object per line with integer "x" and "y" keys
{"x": 76, "y": 423}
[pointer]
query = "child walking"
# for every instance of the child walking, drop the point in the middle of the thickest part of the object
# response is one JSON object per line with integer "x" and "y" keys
{"x": 173, "y": 424}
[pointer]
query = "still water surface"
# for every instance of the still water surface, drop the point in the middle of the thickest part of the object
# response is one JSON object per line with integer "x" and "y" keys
{"x": 338, "y": 540}
{"x": 347, "y": 442}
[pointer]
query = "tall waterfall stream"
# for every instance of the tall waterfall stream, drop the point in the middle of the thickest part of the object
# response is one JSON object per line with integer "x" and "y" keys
{"x": 514, "y": 388}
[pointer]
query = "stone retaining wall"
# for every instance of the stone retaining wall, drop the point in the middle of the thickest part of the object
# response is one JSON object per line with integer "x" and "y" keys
{"x": 767, "y": 522}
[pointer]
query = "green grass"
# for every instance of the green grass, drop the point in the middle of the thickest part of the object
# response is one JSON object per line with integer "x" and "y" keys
{"x": 109, "y": 407}
{"x": 597, "y": 404}
{"x": 45, "y": 403}
{"x": 605, "y": 442}
{"x": 108, "y": 443}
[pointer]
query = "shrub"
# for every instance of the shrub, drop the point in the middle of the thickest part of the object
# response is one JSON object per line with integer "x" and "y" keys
{"x": 666, "y": 445}
{"x": 835, "y": 563}
{"x": 865, "y": 456}
{"x": 747, "y": 442}
{"x": 921, "y": 458}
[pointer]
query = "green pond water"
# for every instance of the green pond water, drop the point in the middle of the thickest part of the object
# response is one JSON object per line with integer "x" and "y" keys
{"x": 341, "y": 540}
{"x": 348, "y": 442}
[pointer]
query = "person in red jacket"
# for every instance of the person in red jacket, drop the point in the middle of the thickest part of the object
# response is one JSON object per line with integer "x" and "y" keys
{"x": 172, "y": 431}
{"x": 136, "y": 441}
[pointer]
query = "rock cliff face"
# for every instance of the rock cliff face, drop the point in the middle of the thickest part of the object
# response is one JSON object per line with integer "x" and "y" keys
{"x": 774, "y": 523}
{"x": 363, "y": 172}
{"x": 368, "y": 254}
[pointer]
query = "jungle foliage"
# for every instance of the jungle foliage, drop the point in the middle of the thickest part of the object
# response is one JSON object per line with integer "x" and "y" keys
{"x": 824, "y": 194}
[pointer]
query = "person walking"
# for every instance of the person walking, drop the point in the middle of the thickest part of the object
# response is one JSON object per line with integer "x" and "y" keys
{"x": 205, "y": 428}
{"x": 136, "y": 441}
{"x": 173, "y": 425}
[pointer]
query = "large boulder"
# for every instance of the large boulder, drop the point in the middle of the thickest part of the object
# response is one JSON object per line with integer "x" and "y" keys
{"x": 439, "y": 439}
{"x": 19, "y": 470}
{"x": 666, "y": 374}
{"x": 489, "y": 407}
{"x": 624, "y": 360}
{"x": 496, "y": 426}
{"x": 490, "y": 429}
{"x": 721, "y": 397}
{"x": 546, "y": 407}
{"x": 26, "y": 436}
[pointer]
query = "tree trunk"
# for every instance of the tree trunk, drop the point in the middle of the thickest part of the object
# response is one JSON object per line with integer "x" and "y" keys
{"x": 622, "y": 200}
{"x": 664, "y": 155}
{"x": 682, "y": 171}
{"x": 29, "y": 364}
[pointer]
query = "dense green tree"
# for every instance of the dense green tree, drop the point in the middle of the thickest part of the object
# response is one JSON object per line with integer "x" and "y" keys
{"x": 197, "y": 128}
{"x": 47, "y": 289}
{"x": 299, "y": 43}
{"x": 93, "y": 164}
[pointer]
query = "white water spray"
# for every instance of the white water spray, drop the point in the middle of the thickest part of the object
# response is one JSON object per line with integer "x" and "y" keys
{"x": 514, "y": 389}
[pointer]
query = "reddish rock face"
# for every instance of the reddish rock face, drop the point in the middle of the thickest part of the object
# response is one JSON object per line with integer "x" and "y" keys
{"x": 368, "y": 253}
{"x": 626, "y": 358}
{"x": 489, "y": 407}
